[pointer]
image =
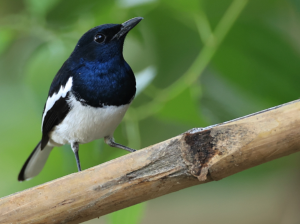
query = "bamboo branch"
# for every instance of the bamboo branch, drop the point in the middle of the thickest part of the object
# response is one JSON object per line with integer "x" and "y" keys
{"x": 195, "y": 157}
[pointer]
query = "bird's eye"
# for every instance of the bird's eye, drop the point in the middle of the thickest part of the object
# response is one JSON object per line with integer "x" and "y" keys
{"x": 99, "y": 38}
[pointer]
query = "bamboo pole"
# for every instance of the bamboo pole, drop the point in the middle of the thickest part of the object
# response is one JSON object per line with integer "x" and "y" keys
{"x": 195, "y": 157}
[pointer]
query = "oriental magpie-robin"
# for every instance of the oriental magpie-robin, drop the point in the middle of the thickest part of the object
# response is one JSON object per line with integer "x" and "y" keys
{"x": 88, "y": 96}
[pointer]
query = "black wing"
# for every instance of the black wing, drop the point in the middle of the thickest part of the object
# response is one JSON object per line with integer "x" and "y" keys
{"x": 55, "y": 114}
{"x": 53, "y": 117}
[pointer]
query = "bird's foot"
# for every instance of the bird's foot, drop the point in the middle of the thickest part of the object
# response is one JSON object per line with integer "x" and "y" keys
{"x": 111, "y": 142}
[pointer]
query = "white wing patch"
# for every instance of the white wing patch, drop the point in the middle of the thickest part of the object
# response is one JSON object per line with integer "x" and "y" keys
{"x": 61, "y": 93}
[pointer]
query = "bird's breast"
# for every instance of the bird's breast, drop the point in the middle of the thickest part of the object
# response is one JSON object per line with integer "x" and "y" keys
{"x": 100, "y": 89}
{"x": 84, "y": 124}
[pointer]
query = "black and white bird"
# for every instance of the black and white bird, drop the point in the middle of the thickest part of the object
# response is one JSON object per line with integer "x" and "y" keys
{"x": 88, "y": 97}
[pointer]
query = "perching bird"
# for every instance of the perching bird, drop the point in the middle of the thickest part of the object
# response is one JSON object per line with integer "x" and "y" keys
{"x": 88, "y": 96}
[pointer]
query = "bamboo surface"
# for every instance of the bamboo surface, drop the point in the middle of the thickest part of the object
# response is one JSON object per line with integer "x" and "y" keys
{"x": 195, "y": 157}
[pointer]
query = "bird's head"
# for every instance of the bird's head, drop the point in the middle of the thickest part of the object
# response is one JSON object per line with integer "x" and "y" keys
{"x": 104, "y": 42}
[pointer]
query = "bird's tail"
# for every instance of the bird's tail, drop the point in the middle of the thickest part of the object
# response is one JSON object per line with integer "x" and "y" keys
{"x": 35, "y": 162}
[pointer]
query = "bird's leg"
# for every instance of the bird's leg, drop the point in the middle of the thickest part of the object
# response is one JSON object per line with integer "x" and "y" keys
{"x": 75, "y": 148}
{"x": 111, "y": 142}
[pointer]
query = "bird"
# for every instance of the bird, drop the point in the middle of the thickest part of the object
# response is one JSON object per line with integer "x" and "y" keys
{"x": 88, "y": 97}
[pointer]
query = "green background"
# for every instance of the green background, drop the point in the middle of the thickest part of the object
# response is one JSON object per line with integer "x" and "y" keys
{"x": 197, "y": 63}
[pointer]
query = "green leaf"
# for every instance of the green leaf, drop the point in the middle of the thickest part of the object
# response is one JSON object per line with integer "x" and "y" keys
{"x": 222, "y": 101}
{"x": 184, "y": 108}
{"x": 262, "y": 63}
{"x": 130, "y": 215}
{"x": 144, "y": 78}
{"x": 191, "y": 6}
{"x": 43, "y": 66}
{"x": 6, "y": 36}
{"x": 133, "y": 3}
{"x": 40, "y": 7}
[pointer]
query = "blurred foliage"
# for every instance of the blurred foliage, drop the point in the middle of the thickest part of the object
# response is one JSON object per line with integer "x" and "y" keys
{"x": 198, "y": 63}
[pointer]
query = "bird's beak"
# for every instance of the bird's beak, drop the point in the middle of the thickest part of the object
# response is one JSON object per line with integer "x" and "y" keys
{"x": 127, "y": 26}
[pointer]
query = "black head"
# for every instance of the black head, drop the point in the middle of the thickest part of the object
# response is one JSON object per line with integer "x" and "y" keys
{"x": 104, "y": 42}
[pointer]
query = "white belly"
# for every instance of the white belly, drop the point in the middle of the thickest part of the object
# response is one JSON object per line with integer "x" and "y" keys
{"x": 84, "y": 124}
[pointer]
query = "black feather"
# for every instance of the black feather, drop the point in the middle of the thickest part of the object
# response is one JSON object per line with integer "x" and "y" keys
{"x": 53, "y": 117}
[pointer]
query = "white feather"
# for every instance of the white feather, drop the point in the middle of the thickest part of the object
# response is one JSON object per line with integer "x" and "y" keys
{"x": 37, "y": 161}
{"x": 61, "y": 93}
{"x": 84, "y": 124}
